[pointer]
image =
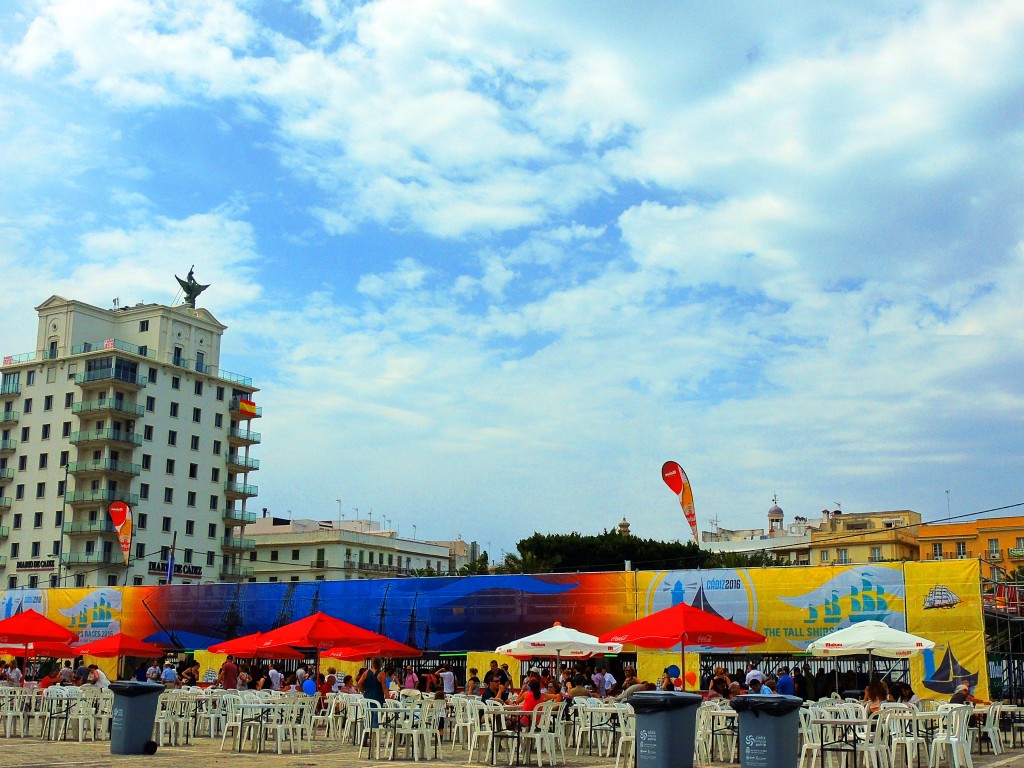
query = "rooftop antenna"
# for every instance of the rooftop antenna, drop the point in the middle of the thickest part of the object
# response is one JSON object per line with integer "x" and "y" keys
{"x": 947, "y": 504}
{"x": 341, "y": 512}
{"x": 117, "y": 303}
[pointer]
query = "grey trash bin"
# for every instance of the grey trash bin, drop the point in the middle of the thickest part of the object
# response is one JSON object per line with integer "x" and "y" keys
{"x": 769, "y": 729}
{"x": 131, "y": 727}
{"x": 666, "y": 723}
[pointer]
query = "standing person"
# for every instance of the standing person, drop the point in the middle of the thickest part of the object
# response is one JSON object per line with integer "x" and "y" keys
{"x": 753, "y": 672}
{"x": 371, "y": 683}
{"x": 275, "y": 678}
{"x": 447, "y": 680}
{"x": 153, "y": 672}
{"x": 473, "y": 683}
{"x": 169, "y": 677}
{"x": 799, "y": 683}
{"x": 784, "y": 685}
{"x": 228, "y": 674}
{"x": 411, "y": 680}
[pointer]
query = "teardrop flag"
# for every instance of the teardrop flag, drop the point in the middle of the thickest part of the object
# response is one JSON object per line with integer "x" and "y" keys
{"x": 121, "y": 516}
{"x": 675, "y": 478}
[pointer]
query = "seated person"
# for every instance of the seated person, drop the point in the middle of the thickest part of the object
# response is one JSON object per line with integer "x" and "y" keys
{"x": 578, "y": 689}
{"x": 531, "y": 697}
{"x": 495, "y": 690}
{"x": 719, "y": 689}
{"x": 963, "y": 696}
{"x": 876, "y": 693}
{"x": 758, "y": 688}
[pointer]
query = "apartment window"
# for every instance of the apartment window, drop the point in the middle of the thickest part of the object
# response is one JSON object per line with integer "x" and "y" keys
{"x": 1020, "y": 542}
{"x": 197, "y": 415}
{"x": 876, "y": 554}
{"x": 190, "y": 499}
{"x": 193, "y": 471}
{"x": 40, "y": 490}
{"x": 69, "y": 399}
{"x": 144, "y": 491}
{"x": 210, "y": 557}
{"x": 22, "y": 463}
{"x": 195, "y": 442}
{"x": 30, "y": 377}
{"x": 140, "y": 551}
{"x": 842, "y": 556}
{"x": 937, "y": 551}
{"x": 273, "y": 555}
{"x": 15, "y": 550}
{"x": 271, "y": 579}
{"x": 218, "y": 420}
{"x": 45, "y": 435}
{"x": 993, "y": 548}
{"x": 172, "y": 437}
{"x": 824, "y": 555}
{"x": 295, "y": 554}
{"x": 215, "y": 475}
{"x": 142, "y": 518}
{"x": 147, "y": 432}
{"x": 168, "y": 495}
{"x": 165, "y": 553}
{"x": 961, "y": 550}
{"x": 143, "y": 326}
{"x": 36, "y": 549}
{"x": 190, "y": 527}
{"x": 165, "y": 525}
{"x": 152, "y": 375}
{"x": 58, "y": 518}
{"x": 24, "y": 434}
{"x": 199, "y": 388}
{"x": 188, "y": 555}
{"x": 174, "y": 410}
{"x": 19, "y": 491}
{"x": 211, "y": 530}
{"x": 37, "y": 520}
{"x": 214, "y": 501}
{"x": 65, "y": 429}
{"x": 150, "y": 403}
{"x": 147, "y": 461}
{"x": 220, "y": 393}
{"x": 169, "y": 467}
{"x": 43, "y": 460}
{"x": 216, "y": 447}
{"x": 60, "y": 487}
{"x": 47, "y": 402}
{"x": 176, "y": 380}
{"x": 252, "y": 557}
{"x": 27, "y": 405}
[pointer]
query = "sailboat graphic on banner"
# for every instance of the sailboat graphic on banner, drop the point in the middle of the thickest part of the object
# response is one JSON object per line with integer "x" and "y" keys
{"x": 950, "y": 673}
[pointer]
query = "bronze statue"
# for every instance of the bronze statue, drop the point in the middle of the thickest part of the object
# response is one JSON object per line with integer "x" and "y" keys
{"x": 191, "y": 287}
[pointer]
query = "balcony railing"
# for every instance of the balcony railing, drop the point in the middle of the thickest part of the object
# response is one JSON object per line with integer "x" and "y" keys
{"x": 9, "y": 417}
{"x": 233, "y": 571}
{"x": 240, "y": 489}
{"x": 94, "y": 558}
{"x": 110, "y": 374}
{"x": 84, "y": 497}
{"x": 236, "y": 409}
{"x": 398, "y": 570}
{"x": 237, "y": 542}
{"x": 244, "y": 435}
{"x": 965, "y": 555}
{"x": 24, "y": 357}
{"x": 318, "y": 565}
{"x": 1015, "y": 553}
{"x": 10, "y": 388}
{"x": 109, "y": 344}
{"x": 106, "y": 436}
{"x": 6, "y": 446}
{"x": 234, "y": 378}
{"x": 5, "y": 502}
{"x": 109, "y": 404}
{"x": 237, "y": 460}
{"x": 89, "y": 527}
{"x": 6, "y": 473}
{"x": 108, "y": 466}
{"x": 5, "y": 531}
{"x": 238, "y": 516}
{"x": 993, "y": 554}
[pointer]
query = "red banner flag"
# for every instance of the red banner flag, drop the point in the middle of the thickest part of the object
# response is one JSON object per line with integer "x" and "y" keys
{"x": 121, "y": 516}
{"x": 675, "y": 478}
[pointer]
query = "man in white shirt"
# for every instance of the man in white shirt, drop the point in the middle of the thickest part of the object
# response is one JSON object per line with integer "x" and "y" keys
{"x": 275, "y": 678}
{"x": 609, "y": 679}
{"x": 447, "y": 680}
{"x": 14, "y": 676}
{"x": 153, "y": 673}
{"x": 753, "y": 673}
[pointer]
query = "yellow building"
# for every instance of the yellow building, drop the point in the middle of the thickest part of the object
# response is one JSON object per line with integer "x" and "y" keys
{"x": 865, "y": 537}
{"x": 997, "y": 540}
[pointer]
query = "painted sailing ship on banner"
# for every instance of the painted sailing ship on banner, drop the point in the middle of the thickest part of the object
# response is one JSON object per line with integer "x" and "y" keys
{"x": 948, "y": 675}
{"x": 940, "y": 596}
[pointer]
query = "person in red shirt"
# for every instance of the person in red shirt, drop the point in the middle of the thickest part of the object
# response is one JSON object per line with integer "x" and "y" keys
{"x": 229, "y": 674}
{"x": 52, "y": 678}
{"x": 531, "y": 698}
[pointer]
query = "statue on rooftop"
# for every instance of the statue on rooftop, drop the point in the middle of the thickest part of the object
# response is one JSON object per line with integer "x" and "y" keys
{"x": 191, "y": 287}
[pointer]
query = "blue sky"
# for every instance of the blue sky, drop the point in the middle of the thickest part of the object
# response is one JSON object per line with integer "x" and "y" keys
{"x": 493, "y": 263}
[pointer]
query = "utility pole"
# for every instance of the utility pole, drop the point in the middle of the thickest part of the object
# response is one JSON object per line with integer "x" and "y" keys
{"x": 947, "y": 504}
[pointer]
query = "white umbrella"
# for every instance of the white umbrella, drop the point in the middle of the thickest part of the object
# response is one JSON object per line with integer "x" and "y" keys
{"x": 874, "y": 638}
{"x": 559, "y": 642}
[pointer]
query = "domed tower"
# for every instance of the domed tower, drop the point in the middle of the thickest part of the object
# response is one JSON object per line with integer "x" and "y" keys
{"x": 775, "y": 515}
{"x": 624, "y": 528}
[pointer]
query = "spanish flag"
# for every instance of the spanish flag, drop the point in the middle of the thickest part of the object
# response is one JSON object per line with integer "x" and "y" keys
{"x": 247, "y": 407}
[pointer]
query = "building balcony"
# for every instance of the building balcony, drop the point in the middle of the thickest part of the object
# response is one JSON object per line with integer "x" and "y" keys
{"x": 3, "y": 560}
{"x": 107, "y": 405}
{"x": 238, "y": 544}
{"x": 108, "y": 344}
{"x": 966, "y": 555}
{"x": 241, "y": 463}
{"x": 240, "y": 490}
{"x": 6, "y": 473}
{"x": 9, "y": 417}
{"x": 89, "y": 528}
{"x": 10, "y": 389}
{"x": 8, "y": 446}
{"x": 241, "y": 411}
{"x": 94, "y": 558}
{"x": 235, "y": 516}
{"x": 234, "y": 378}
{"x": 104, "y": 467}
{"x": 243, "y": 437}
{"x": 993, "y": 554}
{"x": 232, "y": 571}
{"x": 395, "y": 570}
{"x": 5, "y": 532}
{"x": 91, "y": 497}
{"x": 318, "y": 565}
{"x": 107, "y": 436}
{"x": 5, "y": 502}
{"x": 105, "y": 376}
{"x": 1015, "y": 553}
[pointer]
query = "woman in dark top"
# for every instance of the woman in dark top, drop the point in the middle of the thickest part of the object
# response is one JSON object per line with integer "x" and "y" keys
{"x": 371, "y": 682}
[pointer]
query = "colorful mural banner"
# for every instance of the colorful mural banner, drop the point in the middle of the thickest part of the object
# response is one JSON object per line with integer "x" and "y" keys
{"x": 944, "y": 604}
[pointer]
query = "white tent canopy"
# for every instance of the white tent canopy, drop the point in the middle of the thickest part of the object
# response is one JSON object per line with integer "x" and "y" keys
{"x": 561, "y": 642}
{"x": 873, "y": 638}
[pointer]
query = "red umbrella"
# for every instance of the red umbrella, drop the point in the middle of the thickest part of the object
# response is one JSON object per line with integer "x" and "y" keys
{"x": 319, "y": 631}
{"x": 387, "y": 648}
{"x": 30, "y": 627}
{"x": 250, "y": 647}
{"x": 36, "y": 650}
{"x": 120, "y": 645}
{"x": 685, "y": 625}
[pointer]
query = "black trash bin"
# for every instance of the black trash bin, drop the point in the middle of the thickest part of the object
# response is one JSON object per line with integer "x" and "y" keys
{"x": 769, "y": 729}
{"x": 666, "y": 722}
{"x": 131, "y": 727}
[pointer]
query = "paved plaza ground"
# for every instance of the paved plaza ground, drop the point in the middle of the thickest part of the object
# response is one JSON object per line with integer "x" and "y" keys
{"x": 34, "y": 753}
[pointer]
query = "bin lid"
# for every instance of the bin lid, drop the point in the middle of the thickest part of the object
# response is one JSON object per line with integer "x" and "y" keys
{"x": 133, "y": 688}
{"x": 770, "y": 704}
{"x": 660, "y": 701}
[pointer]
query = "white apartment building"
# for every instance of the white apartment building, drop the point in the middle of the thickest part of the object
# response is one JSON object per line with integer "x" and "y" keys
{"x": 124, "y": 405}
{"x": 339, "y": 550}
